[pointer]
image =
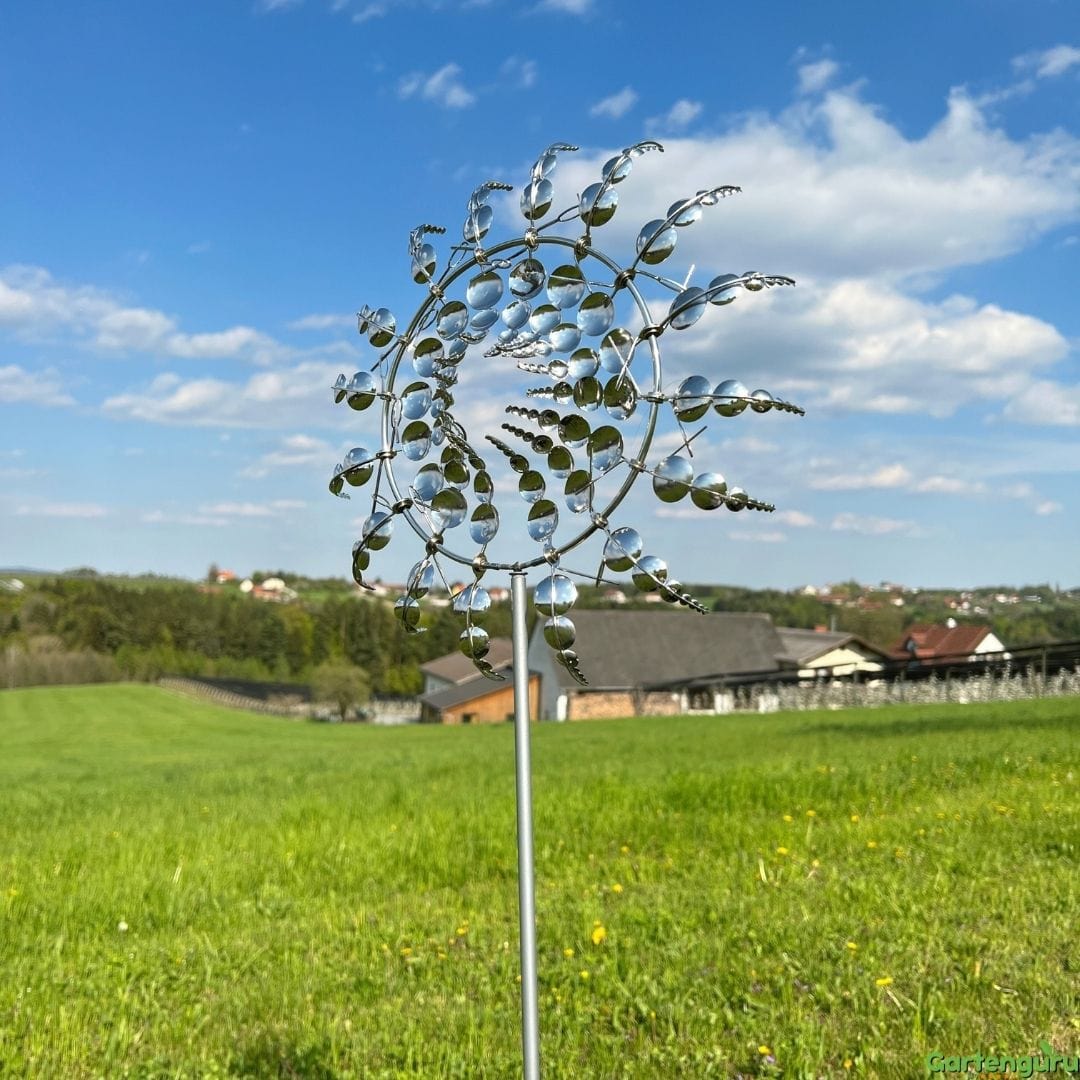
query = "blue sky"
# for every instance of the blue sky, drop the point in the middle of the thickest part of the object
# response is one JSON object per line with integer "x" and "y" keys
{"x": 197, "y": 198}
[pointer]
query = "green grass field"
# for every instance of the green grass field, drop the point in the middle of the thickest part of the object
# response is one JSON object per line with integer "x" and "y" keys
{"x": 191, "y": 892}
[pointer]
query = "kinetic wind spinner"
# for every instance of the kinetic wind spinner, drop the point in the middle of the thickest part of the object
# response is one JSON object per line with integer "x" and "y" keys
{"x": 563, "y": 310}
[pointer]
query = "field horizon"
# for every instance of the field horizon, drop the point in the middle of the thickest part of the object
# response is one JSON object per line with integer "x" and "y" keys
{"x": 190, "y": 891}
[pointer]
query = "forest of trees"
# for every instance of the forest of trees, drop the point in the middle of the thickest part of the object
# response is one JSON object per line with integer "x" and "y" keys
{"x": 82, "y": 627}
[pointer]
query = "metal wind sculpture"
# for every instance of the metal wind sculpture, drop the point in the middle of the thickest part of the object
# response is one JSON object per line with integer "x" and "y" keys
{"x": 562, "y": 310}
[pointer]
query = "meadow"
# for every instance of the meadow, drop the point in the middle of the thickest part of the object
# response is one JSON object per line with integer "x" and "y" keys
{"x": 192, "y": 892}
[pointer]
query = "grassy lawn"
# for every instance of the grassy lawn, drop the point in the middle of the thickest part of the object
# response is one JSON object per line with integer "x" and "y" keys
{"x": 192, "y": 892}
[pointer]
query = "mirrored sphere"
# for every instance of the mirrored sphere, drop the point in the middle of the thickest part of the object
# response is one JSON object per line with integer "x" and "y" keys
{"x": 474, "y": 603}
{"x": 730, "y": 397}
{"x": 708, "y": 490}
{"x": 377, "y": 530}
{"x": 754, "y": 282}
{"x": 692, "y": 398}
{"x": 597, "y": 208}
{"x": 649, "y": 573}
{"x": 563, "y": 393}
{"x": 381, "y": 328}
{"x": 455, "y": 473}
{"x": 761, "y": 401}
{"x": 578, "y": 491}
{"x": 483, "y": 488}
{"x": 684, "y": 217}
{"x": 544, "y": 318}
{"x": 536, "y": 199}
{"x": 527, "y": 278}
{"x": 543, "y": 519}
{"x": 623, "y": 549}
{"x": 474, "y": 642}
{"x": 655, "y": 242}
{"x": 427, "y": 356}
{"x": 560, "y": 461}
{"x": 407, "y": 611}
{"x": 484, "y": 523}
{"x": 559, "y": 632}
{"x": 548, "y": 420}
{"x": 574, "y": 430}
{"x": 423, "y": 264}
{"x": 542, "y": 444}
{"x": 477, "y": 224}
{"x": 687, "y": 308}
{"x": 448, "y": 509}
{"x": 555, "y": 595}
{"x": 596, "y": 314}
{"x": 428, "y": 483}
{"x": 359, "y": 465}
{"x": 620, "y": 397}
{"x": 516, "y": 314}
{"x": 720, "y": 291}
{"x": 361, "y": 390}
{"x": 531, "y": 486}
{"x": 420, "y": 580}
{"x": 566, "y": 286}
{"x": 519, "y": 463}
{"x": 415, "y": 400}
{"x": 673, "y": 478}
{"x": 582, "y": 363}
{"x": 616, "y": 349}
{"x": 557, "y": 369}
{"x": 605, "y": 448}
{"x": 588, "y": 393}
{"x": 672, "y": 591}
{"x": 564, "y": 337}
{"x": 484, "y": 291}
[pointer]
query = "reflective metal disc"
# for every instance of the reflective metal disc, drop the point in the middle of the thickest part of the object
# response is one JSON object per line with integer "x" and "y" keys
{"x": 516, "y": 314}
{"x": 605, "y": 448}
{"x": 649, "y": 573}
{"x": 473, "y": 602}
{"x": 708, "y": 490}
{"x": 754, "y": 284}
{"x": 420, "y": 580}
{"x": 428, "y": 482}
{"x": 542, "y": 444}
{"x": 477, "y": 224}
{"x": 620, "y": 397}
{"x": 596, "y": 314}
{"x": 687, "y": 308}
{"x": 416, "y": 440}
{"x": 578, "y": 491}
{"x": 381, "y": 328}
{"x": 558, "y": 369}
{"x": 484, "y": 320}
{"x": 527, "y": 278}
{"x": 339, "y": 389}
{"x": 730, "y": 397}
{"x": 737, "y": 499}
{"x": 415, "y": 400}
{"x": 560, "y": 461}
{"x": 484, "y": 523}
{"x": 455, "y": 473}
{"x": 427, "y": 356}
{"x": 544, "y": 318}
{"x": 484, "y": 291}
{"x": 595, "y": 208}
{"x": 536, "y": 199}
{"x": 655, "y": 242}
{"x": 564, "y": 337}
{"x": 692, "y": 398}
{"x": 563, "y": 393}
{"x": 543, "y": 519}
{"x": 377, "y": 530}
{"x": 559, "y": 632}
{"x": 423, "y": 264}
{"x": 687, "y": 216}
{"x": 583, "y": 362}
{"x": 519, "y": 463}
{"x": 555, "y": 595}
{"x": 588, "y": 393}
{"x": 673, "y": 478}
{"x": 483, "y": 488}
{"x": 359, "y": 465}
{"x": 548, "y": 420}
{"x": 361, "y": 390}
{"x": 720, "y": 294}
{"x": 448, "y": 509}
{"x": 574, "y": 430}
{"x": 616, "y": 349}
{"x": 474, "y": 642}
{"x": 617, "y": 169}
{"x": 623, "y": 548}
{"x": 670, "y": 594}
{"x": 761, "y": 401}
{"x": 531, "y": 486}
{"x": 407, "y": 611}
{"x": 566, "y": 286}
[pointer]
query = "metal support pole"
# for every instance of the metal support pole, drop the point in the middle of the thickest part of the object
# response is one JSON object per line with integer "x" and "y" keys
{"x": 530, "y": 1022}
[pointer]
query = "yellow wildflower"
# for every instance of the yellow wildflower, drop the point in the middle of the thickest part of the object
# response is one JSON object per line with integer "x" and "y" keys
{"x": 763, "y": 1050}
{"x": 568, "y": 952}
{"x": 782, "y": 851}
{"x": 625, "y": 849}
{"x": 854, "y": 819}
{"x": 811, "y": 813}
{"x": 584, "y": 974}
{"x": 885, "y": 980}
{"x": 848, "y": 1063}
{"x": 407, "y": 951}
{"x": 851, "y": 945}
{"x": 616, "y": 888}
{"x": 598, "y": 934}
{"x": 871, "y": 843}
{"x": 788, "y": 818}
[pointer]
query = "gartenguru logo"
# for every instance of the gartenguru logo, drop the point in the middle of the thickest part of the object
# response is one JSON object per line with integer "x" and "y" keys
{"x": 1049, "y": 1061}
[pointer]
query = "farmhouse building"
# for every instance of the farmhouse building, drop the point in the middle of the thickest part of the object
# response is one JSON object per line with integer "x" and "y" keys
{"x": 456, "y": 693}
{"x": 946, "y": 642}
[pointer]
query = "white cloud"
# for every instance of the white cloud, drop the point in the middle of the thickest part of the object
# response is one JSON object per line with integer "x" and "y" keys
{"x": 199, "y": 248}
{"x": 62, "y": 510}
{"x": 323, "y": 321}
{"x": 523, "y": 73}
{"x": 757, "y": 537}
{"x": 444, "y": 87}
{"x": 794, "y": 518}
{"x": 683, "y": 113}
{"x": 294, "y": 451}
{"x": 160, "y": 517}
{"x": 33, "y": 387}
{"x": 1045, "y": 402}
{"x": 1048, "y": 507}
{"x": 816, "y": 76}
{"x": 273, "y": 508}
{"x": 568, "y": 7}
{"x": 616, "y": 105}
{"x": 888, "y": 476}
{"x": 1048, "y": 63}
{"x": 874, "y": 526}
{"x": 268, "y": 6}
{"x": 369, "y": 11}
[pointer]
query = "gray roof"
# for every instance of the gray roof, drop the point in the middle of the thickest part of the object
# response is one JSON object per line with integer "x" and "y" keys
{"x": 625, "y": 649}
{"x": 455, "y": 667}
{"x": 801, "y": 646}
{"x": 458, "y": 694}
